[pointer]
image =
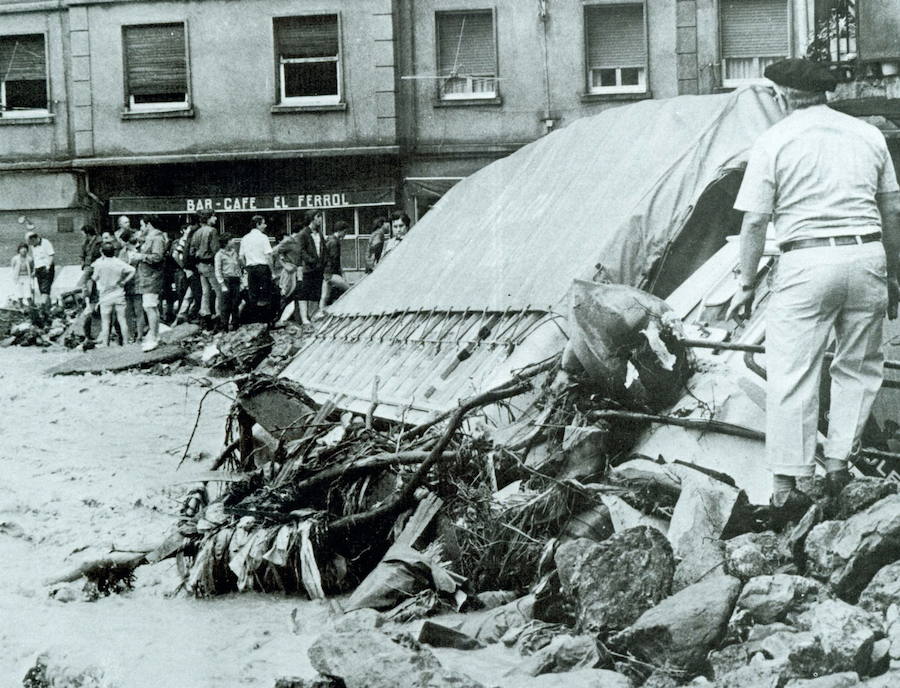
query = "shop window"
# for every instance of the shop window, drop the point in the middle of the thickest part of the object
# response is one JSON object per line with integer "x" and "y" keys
{"x": 335, "y": 215}
{"x": 308, "y": 52}
{"x": 156, "y": 67}
{"x": 616, "y": 48}
{"x": 23, "y": 76}
{"x": 754, "y": 34}
{"x": 466, "y": 54}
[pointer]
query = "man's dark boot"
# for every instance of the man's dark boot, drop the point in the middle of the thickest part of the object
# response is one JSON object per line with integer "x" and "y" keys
{"x": 835, "y": 482}
{"x": 788, "y": 508}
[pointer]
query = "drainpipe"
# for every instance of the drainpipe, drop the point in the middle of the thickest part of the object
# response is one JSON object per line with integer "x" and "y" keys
{"x": 548, "y": 120}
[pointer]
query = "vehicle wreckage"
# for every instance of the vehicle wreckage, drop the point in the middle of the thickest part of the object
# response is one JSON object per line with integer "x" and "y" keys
{"x": 535, "y": 406}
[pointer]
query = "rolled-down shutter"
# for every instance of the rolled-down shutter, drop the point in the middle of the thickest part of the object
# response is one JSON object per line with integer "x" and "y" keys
{"x": 155, "y": 59}
{"x": 22, "y": 58}
{"x": 615, "y": 36}
{"x": 755, "y": 28}
{"x": 466, "y": 43}
{"x": 313, "y": 36}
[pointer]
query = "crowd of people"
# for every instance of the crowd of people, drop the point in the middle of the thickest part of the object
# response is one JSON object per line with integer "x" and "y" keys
{"x": 136, "y": 278}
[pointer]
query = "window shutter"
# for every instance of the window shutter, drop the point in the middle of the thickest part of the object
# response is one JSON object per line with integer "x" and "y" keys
{"x": 466, "y": 41}
{"x": 155, "y": 59}
{"x": 615, "y": 35}
{"x": 755, "y": 28}
{"x": 22, "y": 58}
{"x": 315, "y": 36}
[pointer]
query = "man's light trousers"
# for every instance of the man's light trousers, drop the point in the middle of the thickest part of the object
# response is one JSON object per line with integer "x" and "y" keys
{"x": 815, "y": 291}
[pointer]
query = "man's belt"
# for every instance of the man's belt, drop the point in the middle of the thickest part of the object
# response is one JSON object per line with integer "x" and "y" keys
{"x": 848, "y": 240}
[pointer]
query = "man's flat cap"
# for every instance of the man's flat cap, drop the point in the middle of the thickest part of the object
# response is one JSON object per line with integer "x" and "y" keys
{"x": 803, "y": 75}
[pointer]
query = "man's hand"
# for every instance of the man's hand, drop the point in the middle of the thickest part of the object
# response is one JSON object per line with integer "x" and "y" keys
{"x": 741, "y": 303}
{"x": 893, "y": 298}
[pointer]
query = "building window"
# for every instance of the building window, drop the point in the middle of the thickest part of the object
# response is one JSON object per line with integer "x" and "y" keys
{"x": 755, "y": 33}
{"x": 156, "y": 73}
{"x": 309, "y": 59}
{"x": 466, "y": 55}
{"x": 616, "y": 41}
{"x": 23, "y": 76}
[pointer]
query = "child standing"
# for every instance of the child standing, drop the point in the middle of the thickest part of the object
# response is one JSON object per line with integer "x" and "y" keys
{"x": 23, "y": 275}
{"x": 228, "y": 273}
{"x": 110, "y": 275}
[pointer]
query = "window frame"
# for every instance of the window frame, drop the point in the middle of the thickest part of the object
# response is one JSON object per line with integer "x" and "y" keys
{"x": 30, "y": 113}
{"x": 284, "y": 101}
{"x": 475, "y": 96}
{"x": 723, "y": 64}
{"x": 159, "y": 107}
{"x": 643, "y": 85}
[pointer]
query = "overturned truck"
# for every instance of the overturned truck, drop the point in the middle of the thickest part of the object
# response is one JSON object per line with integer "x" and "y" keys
{"x": 537, "y": 394}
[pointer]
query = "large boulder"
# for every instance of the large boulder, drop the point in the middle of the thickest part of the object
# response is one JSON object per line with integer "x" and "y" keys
{"x": 861, "y": 493}
{"x": 846, "y": 634}
{"x": 842, "y": 680}
{"x": 681, "y": 629}
{"x": 893, "y": 634}
{"x": 754, "y": 554}
{"x": 849, "y": 553}
{"x": 371, "y": 659}
{"x": 563, "y": 653}
{"x": 703, "y": 510}
{"x": 615, "y": 581}
{"x": 789, "y": 654}
{"x": 583, "y": 678}
{"x": 883, "y": 590}
{"x": 489, "y": 626}
{"x": 767, "y": 599}
{"x": 801, "y": 652}
{"x": 888, "y": 680}
{"x": 705, "y": 557}
{"x": 759, "y": 673}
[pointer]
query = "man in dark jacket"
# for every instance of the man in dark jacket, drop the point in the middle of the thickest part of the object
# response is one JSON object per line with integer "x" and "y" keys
{"x": 334, "y": 284}
{"x": 312, "y": 264}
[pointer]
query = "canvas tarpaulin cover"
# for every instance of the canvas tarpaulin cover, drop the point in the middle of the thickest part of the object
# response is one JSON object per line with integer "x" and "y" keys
{"x": 478, "y": 287}
{"x": 612, "y": 188}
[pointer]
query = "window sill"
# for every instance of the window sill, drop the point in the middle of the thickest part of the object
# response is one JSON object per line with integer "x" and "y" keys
{"x": 615, "y": 97}
{"x": 279, "y": 109}
{"x": 158, "y": 114}
{"x": 496, "y": 101}
{"x": 31, "y": 119}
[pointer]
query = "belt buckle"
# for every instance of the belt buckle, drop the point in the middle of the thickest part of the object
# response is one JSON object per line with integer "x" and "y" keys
{"x": 859, "y": 240}
{"x": 832, "y": 242}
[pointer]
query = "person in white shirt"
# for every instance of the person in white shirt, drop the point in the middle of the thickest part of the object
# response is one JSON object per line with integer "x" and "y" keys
{"x": 255, "y": 256}
{"x": 44, "y": 269}
{"x": 110, "y": 274}
{"x": 827, "y": 182}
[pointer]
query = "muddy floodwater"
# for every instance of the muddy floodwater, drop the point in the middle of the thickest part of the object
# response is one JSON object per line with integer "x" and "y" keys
{"x": 88, "y": 464}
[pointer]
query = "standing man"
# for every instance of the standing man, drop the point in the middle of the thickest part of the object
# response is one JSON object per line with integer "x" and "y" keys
{"x": 827, "y": 182}
{"x": 204, "y": 246}
{"x": 122, "y": 224}
{"x": 334, "y": 284}
{"x": 312, "y": 264}
{"x": 44, "y": 268}
{"x": 255, "y": 256}
{"x": 150, "y": 276}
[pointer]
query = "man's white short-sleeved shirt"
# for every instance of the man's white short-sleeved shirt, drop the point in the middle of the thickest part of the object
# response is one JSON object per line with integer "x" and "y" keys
{"x": 42, "y": 254}
{"x": 255, "y": 248}
{"x": 817, "y": 173}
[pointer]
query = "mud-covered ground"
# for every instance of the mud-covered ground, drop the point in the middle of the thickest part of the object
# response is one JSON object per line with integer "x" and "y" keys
{"x": 90, "y": 462}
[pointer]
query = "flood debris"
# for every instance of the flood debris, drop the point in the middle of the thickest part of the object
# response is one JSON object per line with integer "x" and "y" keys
{"x": 565, "y": 548}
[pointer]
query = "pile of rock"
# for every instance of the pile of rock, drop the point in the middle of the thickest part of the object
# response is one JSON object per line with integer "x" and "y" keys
{"x": 697, "y": 603}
